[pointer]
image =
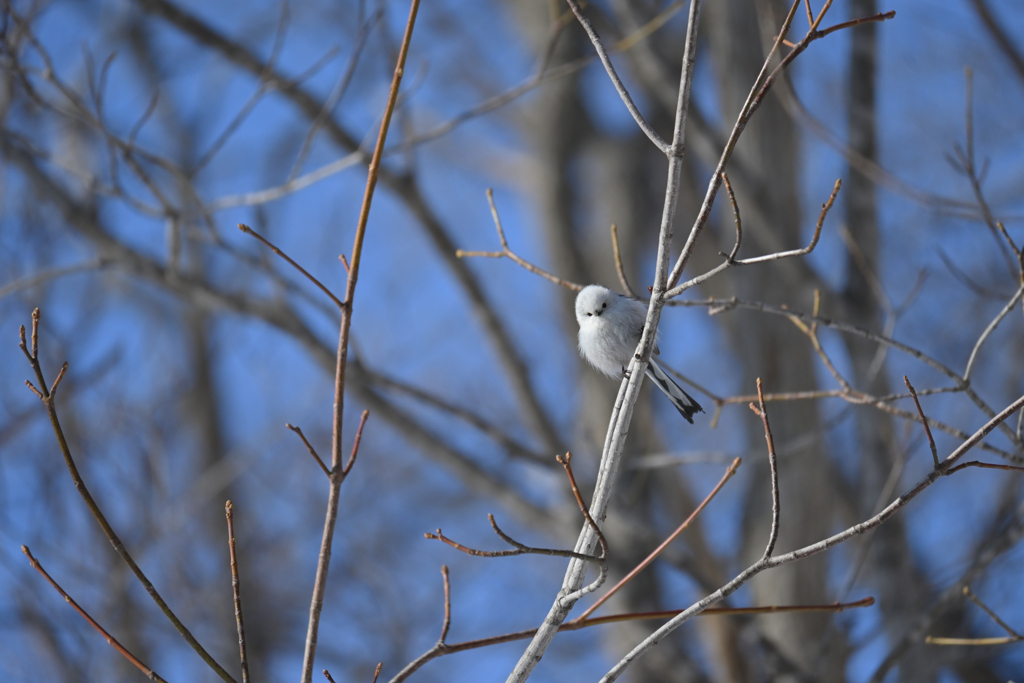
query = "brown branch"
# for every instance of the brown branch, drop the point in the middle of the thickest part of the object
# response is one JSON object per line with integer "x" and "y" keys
{"x": 506, "y": 252}
{"x": 111, "y": 640}
{"x": 337, "y": 475}
{"x": 566, "y": 462}
{"x": 619, "y": 269}
{"x": 355, "y": 443}
{"x": 761, "y": 412}
{"x": 924, "y": 421}
{"x": 664, "y": 544}
{"x": 47, "y": 398}
{"x": 249, "y": 231}
{"x": 447, "y": 605}
{"x": 736, "y": 217}
{"x": 327, "y": 675}
{"x": 309, "y": 447}
{"x": 984, "y": 466}
{"x": 518, "y": 548}
{"x": 578, "y": 624}
{"x": 376, "y": 672}
{"x": 236, "y": 590}
{"x": 995, "y": 617}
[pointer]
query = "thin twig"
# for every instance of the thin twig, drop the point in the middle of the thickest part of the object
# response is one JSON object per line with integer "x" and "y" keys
{"x": 989, "y": 330}
{"x": 736, "y": 217}
{"x": 111, "y": 640}
{"x": 309, "y": 447}
{"x": 730, "y": 260}
{"x": 577, "y": 624}
{"x": 249, "y": 231}
{"x": 376, "y": 672}
{"x": 717, "y": 306}
{"x": 602, "y": 54}
{"x": 50, "y": 404}
{"x": 985, "y": 466}
{"x": 566, "y": 463}
{"x": 729, "y": 472}
{"x": 355, "y": 443}
{"x": 517, "y": 547}
{"x": 506, "y": 252}
{"x": 758, "y": 92}
{"x": 447, "y": 606}
{"x": 1004, "y": 640}
{"x": 995, "y": 617}
{"x": 762, "y": 412}
{"x": 327, "y": 675}
{"x": 236, "y": 590}
{"x": 765, "y": 563}
{"x": 619, "y": 268}
{"x": 924, "y": 421}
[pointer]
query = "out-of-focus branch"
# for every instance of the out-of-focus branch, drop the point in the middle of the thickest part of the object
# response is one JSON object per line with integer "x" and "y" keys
{"x": 1012, "y": 638}
{"x": 405, "y": 188}
{"x": 1002, "y": 39}
{"x": 717, "y": 306}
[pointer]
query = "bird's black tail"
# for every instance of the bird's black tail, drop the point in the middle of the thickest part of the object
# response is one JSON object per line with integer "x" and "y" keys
{"x": 683, "y": 402}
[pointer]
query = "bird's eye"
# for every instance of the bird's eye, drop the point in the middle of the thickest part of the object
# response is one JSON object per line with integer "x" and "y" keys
{"x": 604, "y": 305}
{"x": 589, "y": 314}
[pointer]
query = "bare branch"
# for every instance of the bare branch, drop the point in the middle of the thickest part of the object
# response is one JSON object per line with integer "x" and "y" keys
{"x": 309, "y": 447}
{"x": 149, "y": 673}
{"x": 51, "y": 408}
{"x": 236, "y": 590}
{"x": 729, "y": 472}
{"x": 813, "y": 549}
{"x": 762, "y": 412}
{"x": 616, "y": 81}
{"x": 249, "y": 231}
{"x": 337, "y": 475}
{"x": 355, "y": 443}
{"x": 619, "y": 269}
{"x": 924, "y": 421}
{"x": 508, "y": 253}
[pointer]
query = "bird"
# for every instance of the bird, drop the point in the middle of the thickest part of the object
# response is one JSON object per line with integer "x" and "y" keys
{"x": 610, "y": 330}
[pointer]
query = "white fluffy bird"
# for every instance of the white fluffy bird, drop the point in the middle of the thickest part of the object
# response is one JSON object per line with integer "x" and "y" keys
{"x": 610, "y": 329}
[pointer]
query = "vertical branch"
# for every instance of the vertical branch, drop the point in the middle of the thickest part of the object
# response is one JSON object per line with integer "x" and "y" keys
{"x": 761, "y": 412}
{"x": 337, "y": 475}
{"x": 629, "y": 390}
{"x": 236, "y": 590}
